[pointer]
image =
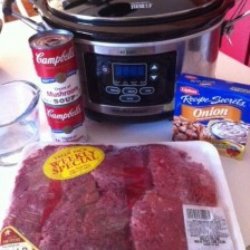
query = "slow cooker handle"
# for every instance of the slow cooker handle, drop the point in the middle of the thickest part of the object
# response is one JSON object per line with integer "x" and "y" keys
{"x": 7, "y": 11}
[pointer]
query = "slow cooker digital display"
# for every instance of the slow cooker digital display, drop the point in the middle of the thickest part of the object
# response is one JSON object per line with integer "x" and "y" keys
{"x": 129, "y": 74}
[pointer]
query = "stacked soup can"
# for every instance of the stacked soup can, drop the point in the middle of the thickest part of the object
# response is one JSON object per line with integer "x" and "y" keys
{"x": 55, "y": 63}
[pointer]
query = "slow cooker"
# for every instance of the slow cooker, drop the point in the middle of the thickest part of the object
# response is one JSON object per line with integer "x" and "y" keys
{"x": 131, "y": 51}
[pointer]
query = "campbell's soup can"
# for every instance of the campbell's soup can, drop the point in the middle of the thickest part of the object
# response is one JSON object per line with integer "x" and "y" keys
{"x": 66, "y": 121}
{"x": 55, "y": 63}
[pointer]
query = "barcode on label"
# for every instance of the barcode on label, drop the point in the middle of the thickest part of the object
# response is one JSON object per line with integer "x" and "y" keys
{"x": 206, "y": 228}
{"x": 198, "y": 214}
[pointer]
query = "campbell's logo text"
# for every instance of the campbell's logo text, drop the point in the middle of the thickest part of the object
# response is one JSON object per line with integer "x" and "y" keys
{"x": 65, "y": 56}
{"x": 66, "y": 115}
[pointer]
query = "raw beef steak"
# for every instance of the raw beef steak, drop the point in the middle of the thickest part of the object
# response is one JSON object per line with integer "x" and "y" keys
{"x": 132, "y": 201}
{"x": 157, "y": 223}
{"x": 176, "y": 176}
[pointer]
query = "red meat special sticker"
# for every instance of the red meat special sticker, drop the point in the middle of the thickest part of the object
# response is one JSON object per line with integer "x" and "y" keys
{"x": 12, "y": 239}
{"x": 73, "y": 161}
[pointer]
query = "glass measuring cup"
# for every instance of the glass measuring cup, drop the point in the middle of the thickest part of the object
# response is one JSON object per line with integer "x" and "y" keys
{"x": 19, "y": 121}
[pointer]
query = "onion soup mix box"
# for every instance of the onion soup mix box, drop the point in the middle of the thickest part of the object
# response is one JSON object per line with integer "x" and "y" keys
{"x": 212, "y": 110}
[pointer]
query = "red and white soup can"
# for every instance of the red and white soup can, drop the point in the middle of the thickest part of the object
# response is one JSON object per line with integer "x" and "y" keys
{"x": 55, "y": 63}
{"x": 66, "y": 121}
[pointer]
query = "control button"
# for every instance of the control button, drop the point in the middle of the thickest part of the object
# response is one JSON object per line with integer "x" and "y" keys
{"x": 129, "y": 91}
{"x": 154, "y": 67}
{"x": 130, "y": 98}
{"x": 113, "y": 90}
{"x": 147, "y": 90}
{"x": 153, "y": 77}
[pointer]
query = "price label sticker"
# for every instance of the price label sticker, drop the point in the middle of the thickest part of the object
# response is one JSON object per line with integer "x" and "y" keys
{"x": 206, "y": 228}
{"x": 12, "y": 239}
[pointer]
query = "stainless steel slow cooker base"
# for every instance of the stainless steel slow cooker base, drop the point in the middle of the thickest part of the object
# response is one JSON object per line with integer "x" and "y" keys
{"x": 195, "y": 54}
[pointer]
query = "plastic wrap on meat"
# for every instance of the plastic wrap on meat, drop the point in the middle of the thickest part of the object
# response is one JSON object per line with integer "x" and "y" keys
{"x": 132, "y": 201}
{"x": 124, "y": 169}
{"x": 176, "y": 176}
{"x": 156, "y": 223}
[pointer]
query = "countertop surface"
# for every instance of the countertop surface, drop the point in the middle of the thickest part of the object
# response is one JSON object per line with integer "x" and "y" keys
{"x": 16, "y": 63}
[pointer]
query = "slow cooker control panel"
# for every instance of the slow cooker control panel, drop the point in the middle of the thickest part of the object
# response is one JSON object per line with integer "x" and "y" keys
{"x": 130, "y": 81}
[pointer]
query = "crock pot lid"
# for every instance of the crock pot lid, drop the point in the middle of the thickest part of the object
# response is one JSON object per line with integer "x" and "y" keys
{"x": 126, "y": 10}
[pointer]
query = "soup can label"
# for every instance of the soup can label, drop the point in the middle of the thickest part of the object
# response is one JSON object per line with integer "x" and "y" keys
{"x": 55, "y": 63}
{"x": 58, "y": 93}
{"x": 66, "y": 121}
{"x": 53, "y": 54}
